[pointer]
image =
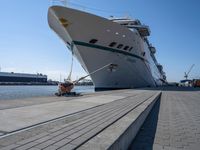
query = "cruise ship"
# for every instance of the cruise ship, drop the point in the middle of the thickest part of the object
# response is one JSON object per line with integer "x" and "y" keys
{"x": 96, "y": 42}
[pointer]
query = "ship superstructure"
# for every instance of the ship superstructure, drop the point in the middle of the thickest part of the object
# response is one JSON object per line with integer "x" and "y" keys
{"x": 96, "y": 41}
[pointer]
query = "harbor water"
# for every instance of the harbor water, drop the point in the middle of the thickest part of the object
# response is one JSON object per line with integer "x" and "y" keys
{"x": 19, "y": 92}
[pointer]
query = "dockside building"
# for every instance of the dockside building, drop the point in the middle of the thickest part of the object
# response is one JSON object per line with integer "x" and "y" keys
{"x": 22, "y": 77}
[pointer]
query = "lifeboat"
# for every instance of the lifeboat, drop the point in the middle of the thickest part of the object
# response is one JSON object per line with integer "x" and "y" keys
{"x": 142, "y": 29}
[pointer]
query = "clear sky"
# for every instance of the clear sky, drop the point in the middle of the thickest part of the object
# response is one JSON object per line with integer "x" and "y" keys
{"x": 27, "y": 44}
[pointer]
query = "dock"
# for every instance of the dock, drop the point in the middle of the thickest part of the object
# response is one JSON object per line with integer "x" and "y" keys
{"x": 166, "y": 118}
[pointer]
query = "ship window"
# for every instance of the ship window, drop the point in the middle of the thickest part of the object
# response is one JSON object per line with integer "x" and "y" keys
{"x": 124, "y": 24}
{"x": 143, "y": 53}
{"x": 93, "y": 41}
{"x": 126, "y": 47}
{"x": 68, "y": 43}
{"x": 134, "y": 24}
{"x": 112, "y": 44}
{"x": 120, "y": 46}
{"x": 130, "y": 48}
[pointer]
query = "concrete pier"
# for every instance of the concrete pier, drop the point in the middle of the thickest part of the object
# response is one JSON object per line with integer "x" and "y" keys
{"x": 166, "y": 118}
{"x": 174, "y": 123}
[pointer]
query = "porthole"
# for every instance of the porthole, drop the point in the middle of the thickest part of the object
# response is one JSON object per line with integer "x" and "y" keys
{"x": 112, "y": 44}
{"x": 93, "y": 41}
{"x": 120, "y": 46}
{"x": 126, "y": 47}
{"x": 130, "y": 49}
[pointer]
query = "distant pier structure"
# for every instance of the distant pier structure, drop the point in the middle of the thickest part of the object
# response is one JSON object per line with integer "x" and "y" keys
{"x": 11, "y": 77}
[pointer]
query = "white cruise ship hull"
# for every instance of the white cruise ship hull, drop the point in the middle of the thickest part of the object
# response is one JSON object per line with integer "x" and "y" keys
{"x": 77, "y": 28}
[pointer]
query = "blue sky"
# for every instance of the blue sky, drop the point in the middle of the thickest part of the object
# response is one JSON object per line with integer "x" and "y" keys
{"x": 27, "y": 44}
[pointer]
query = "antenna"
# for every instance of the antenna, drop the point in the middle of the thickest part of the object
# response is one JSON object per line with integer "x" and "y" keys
{"x": 60, "y": 77}
{"x": 64, "y": 2}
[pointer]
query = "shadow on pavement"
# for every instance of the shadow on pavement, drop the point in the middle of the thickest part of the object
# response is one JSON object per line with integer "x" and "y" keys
{"x": 145, "y": 138}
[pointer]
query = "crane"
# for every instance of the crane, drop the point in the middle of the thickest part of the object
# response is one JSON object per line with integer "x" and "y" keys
{"x": 186, "y": 74}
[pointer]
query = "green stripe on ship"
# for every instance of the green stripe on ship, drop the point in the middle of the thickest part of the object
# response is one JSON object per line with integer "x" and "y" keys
{"x": 107, "y": 49}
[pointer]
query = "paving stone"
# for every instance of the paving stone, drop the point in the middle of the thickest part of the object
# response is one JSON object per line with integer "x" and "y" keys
{"x": 158, "y": 147}
{"x": 32, "y": 138}
{"x": 27, "y": 146}
{"x": 34, "y": 148}
{"x": 79, "y": 141}
{"x": 62, "y": 142}
{"x": 45, "y": 144}
{"x": 10, "y": 147}
{"x": 52, "y": 147}
{"x": 68, "y": 147}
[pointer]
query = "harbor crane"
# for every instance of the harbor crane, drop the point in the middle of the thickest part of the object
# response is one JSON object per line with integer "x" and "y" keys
{"x": 186, "y": 74}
